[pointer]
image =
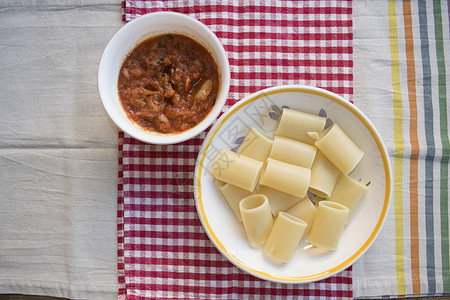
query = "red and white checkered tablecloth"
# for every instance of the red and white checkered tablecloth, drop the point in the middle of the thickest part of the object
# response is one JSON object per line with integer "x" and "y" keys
{"x": 163, "y": 251}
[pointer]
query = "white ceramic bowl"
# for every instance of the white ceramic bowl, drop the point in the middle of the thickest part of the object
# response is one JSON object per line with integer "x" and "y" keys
{"x": 261, "y": 110}
{"x": 126, "y": 39}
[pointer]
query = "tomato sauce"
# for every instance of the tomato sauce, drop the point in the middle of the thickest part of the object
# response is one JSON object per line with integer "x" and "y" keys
{"x": 168, "y": 83}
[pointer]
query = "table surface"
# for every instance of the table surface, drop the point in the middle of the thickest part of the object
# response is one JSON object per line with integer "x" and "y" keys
{"x": 59, "y": 149}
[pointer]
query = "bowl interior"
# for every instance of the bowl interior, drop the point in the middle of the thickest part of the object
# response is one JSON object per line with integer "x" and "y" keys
{"x": 126, "y": 39}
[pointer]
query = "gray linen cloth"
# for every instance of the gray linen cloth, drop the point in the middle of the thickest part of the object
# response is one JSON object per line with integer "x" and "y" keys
{"x": 58, "y": 150}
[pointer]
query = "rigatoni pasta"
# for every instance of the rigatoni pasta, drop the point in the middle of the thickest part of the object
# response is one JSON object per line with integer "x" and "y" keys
{"x": 349, "y": 193}
{"x": 293, "y": 152}
{"x": 238, "y": 170}
{"x": 255, "y": 145}
{"x": 328, "y": 224}
{"x": 339, "y": 149}
{"x": 256, "y": 218}
{"x": 290, "y": 179}
{"x": 296, "y": 125}
{"x": 284, "y": 238}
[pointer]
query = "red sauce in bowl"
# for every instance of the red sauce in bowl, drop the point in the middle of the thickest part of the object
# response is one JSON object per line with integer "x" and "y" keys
{"x": 168, "y": 83}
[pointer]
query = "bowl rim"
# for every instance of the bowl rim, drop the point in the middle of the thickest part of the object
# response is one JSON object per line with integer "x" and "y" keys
{"x": 219, "y": 55}
{"x": 381, "y": 148}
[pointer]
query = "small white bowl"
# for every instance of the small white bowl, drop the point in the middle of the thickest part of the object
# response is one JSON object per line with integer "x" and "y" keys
{"x": 126, "y": 39}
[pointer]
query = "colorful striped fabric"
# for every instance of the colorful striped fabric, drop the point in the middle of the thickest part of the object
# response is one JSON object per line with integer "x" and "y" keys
{"x": 411, "y": 256}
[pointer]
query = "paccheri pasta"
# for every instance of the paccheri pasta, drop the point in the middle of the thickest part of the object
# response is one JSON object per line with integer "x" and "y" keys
{"x": 279, "y": 201}
{"x": 284, "y": 237}
{"x": 288, "y": 178}
{"x": 323, "y": 176}
{"x": 295, "y": 125}
{"x": 328, "y": 224}
{"x": 255, "y": 145}
{"x": 292, "y": 152}
{"x": 266, "y": 183}
{"x": 304, "y": 210}
{"x": 233, "y": 195}
{"x": 339, "y": 149}
{"x": 256, "y": 218}
{"x": 349, "y": 193}
{"x": 236, "y": 169}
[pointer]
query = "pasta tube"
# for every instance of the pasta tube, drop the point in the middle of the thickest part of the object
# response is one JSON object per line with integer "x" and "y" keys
{"x": 255, "y": 145}
{"x": 290, "y": 179}
{"x": 339, "y": 149}
{"x": 293, "y": 152}
{"x": 233, "y": 195}
{"x": 349, "y": 193}
{"x": 256, "y": 218}
{"x": 328, "y": 225}
{"x": 236, "y": 169}
{"x": 284, "y": 238}
{"x": 296, "y": 125}
{"x": 323, "y": 176}
{"x": 278, "y": 201}
{"x": 305, "y": 211}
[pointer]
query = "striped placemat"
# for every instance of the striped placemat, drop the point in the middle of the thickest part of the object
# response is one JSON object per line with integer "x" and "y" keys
{"x": 163, "y": 250}
{"x": 411, "y": 43}
{"x": 421, "y": 146}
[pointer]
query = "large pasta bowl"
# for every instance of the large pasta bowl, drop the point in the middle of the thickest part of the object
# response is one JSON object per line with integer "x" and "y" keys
{"x": 261, "y": 111}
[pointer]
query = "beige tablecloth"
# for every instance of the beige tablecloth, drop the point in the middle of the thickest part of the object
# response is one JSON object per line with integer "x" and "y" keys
{"x": 58, "y": 150}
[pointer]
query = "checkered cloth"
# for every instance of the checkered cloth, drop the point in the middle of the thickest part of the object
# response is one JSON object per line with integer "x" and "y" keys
{"x": 163, "y": 250}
